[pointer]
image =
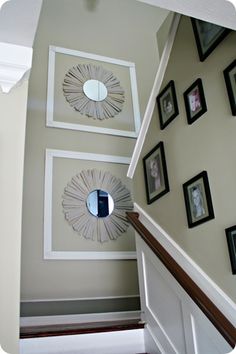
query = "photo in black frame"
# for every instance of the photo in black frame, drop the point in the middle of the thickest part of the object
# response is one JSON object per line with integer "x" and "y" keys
{"x": 230, "y": 81}
{"x": 198, "y": 200}
{"x": 231, "y": 240}
{"x": 155, "y": 173}
{"x": 167, "y": 104}
{"x": 207, "y": 36}
{"x": 195, "y": 102}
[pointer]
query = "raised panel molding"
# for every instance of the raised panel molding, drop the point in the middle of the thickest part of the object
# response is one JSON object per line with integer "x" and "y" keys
{"x": 15, "y": 65}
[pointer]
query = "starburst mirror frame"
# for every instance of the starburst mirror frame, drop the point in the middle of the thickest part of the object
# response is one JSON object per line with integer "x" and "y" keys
{"x": 55, "y": 96}
{"x": 79, "y": 217}
{"x": 124, "y": 247}
{"x": 73, "y": 89}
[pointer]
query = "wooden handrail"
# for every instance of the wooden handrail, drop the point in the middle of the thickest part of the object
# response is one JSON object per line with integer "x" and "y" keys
{"x": 222, "y": 324}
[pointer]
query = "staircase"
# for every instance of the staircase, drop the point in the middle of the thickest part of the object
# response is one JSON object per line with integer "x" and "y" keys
{"x": 108, "y": 337}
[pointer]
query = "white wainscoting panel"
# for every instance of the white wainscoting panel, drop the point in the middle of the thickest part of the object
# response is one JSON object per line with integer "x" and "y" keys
{"x": 174, "y": 322}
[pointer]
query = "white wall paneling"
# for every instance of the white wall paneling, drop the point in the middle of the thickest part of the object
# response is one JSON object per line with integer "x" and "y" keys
{"x": 50, "y": 120}
{"x": 217, "y": 296}
{"x": 49, "y": 253}
{"x": 174, "y": 321}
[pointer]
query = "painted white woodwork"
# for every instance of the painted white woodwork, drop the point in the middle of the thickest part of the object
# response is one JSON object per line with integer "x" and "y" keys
{"x": 121, "y": 342}
{"x": 73, "y": 255}
{"x": 152, "y": 99}
{"x": 174, "y": 321}
{"x": 221, "y": 12}
{"x": 15, "y": 64}
{"x": 217, "y": 296}
{"x": 50, "y": 122}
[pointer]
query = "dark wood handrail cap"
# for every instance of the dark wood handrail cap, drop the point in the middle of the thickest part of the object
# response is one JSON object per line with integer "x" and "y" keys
{"x": 217, "y": 318}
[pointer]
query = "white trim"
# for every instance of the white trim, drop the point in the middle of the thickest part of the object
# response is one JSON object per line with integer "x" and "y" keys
{"x": 82, "y": 298}
{"x": 74, "y": 255}
{"x": 15, "y": 63}
{"x": 152, "y": 99}
{"x": 50, "y": 122}
{"x": 116, "y": 342}
{"x": 217, "y": 295}
{"x": 82, "y": 318}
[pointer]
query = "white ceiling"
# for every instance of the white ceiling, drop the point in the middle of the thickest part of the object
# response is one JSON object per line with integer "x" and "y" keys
{"x": 221, "y": 12}
{"x": 19, "y": 18}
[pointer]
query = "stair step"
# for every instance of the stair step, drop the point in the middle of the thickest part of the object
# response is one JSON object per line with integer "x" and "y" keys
{"x": 79, "y": 328}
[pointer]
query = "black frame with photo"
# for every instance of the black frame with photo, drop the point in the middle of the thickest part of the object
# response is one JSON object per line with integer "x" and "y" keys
{"x": 195, "y": 102}
{"x": 167, "y": 104}
{"x": 207, "y": 36}
{"x": 230, "y": 81}
{"x": 198, "y": 202}
{"x": 156, "y": 186}
{"x": 231, "y": 240}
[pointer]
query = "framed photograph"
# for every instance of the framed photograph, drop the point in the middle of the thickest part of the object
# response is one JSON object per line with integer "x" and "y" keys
{"x": 195, "y": 103}
{"x": 231, "y": 240}
{"x": 167, "y": 105}
{"x": 155, "y": 173}
{"x": 198, "y": 200}
{"x": 207, "y": 36}
{"x": 230, "y": 81}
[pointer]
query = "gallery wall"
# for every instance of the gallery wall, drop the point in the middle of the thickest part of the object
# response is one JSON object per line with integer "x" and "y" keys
{"x": 207, "y": 144}
{"x": 112, "y": 29}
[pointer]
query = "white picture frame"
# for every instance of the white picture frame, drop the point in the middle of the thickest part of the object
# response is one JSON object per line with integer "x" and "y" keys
{"x": 48, "y": 252}
{"x": 51, "y": 122}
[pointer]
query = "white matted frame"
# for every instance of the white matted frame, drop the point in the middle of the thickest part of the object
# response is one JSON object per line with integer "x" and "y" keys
{"x": 50, "y": 122}
{"x": 49, "y": 253}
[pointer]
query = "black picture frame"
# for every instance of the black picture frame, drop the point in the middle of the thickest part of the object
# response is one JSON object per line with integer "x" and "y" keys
{"x": 167, "y": 104}
{"x": 155, "y": 173}
{"x": 230, "y": 81}
{"x": 231, "y": 240}
{"x": 198, "y": 201}
{"x": 207, "y": 36}
{"x": 195, "y": 102}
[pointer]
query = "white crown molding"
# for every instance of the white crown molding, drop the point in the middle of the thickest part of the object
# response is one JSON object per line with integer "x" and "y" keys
{"x": 15, "y": 64}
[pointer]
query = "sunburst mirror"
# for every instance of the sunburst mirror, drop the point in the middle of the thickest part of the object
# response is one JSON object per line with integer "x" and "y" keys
{"x": 95, "y": 204}
{"x": 93, "y": 91}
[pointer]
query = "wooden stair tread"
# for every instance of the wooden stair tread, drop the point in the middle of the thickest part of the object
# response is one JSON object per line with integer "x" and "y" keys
{"x": 79, "y": 328}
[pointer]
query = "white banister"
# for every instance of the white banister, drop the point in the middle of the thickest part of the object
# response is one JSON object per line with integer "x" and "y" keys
{"x": 152, "y": 99}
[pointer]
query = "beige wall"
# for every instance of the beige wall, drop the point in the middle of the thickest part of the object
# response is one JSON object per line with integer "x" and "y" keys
{"x": 12, "y": 137}
{"x": 208, "y": 144}
{"x": 117, "y": 29}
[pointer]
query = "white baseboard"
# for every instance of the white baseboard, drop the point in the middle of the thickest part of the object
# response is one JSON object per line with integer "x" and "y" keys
{"x": 86, "y": 318}
{"x": 121, "y": 342}
{"x": 217, "y": 296}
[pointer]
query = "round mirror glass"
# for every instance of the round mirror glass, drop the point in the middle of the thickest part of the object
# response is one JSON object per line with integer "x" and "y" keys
{"x": 100, "y": 203}
{"x": 95, "y": 90}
